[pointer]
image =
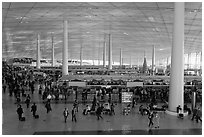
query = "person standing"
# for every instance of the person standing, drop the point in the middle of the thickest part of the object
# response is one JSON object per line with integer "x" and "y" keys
{"x": 40, "y": 89}
{"x": 48, "y": 107}
{"x": 74, "y": 111}
{"x": 112, "y": 109}
{"x": 20, "y": 112}
{"x": 34, "y": 109}
{"x": 27, "y": 101}
{"x": 150, "y": 117}
{"x": 4, "y": 87}
{"x": 65, "y": 113}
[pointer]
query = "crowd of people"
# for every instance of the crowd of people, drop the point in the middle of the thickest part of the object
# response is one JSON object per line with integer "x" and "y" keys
{"x": 102, "y": 100}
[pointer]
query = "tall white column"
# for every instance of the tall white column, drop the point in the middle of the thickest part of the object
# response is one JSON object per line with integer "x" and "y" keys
{"x": 130, "y": 61}
{"x": 121, "y": 56}
{"x": 177, "y": 60}
{"x": 153, "y": 60}
{"x": 110, "y": 53}
{"x": 98, "y": 54}
{"x": 81, "y": 55}
{"x": 65, "y": 50}
{"x": 200, "y": 60}
{"x": 196, "y": 62}
{"x": 53, "y": 52}
{"x": 38, "y": 52}
{"x": 104, "y": 54}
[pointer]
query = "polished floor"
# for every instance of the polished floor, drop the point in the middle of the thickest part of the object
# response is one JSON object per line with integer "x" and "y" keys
{"x": 53, "y": 122}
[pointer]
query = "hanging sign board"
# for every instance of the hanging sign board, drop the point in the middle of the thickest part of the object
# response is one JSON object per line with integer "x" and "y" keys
{"x": 134, "y": 84}
{"x": 77, "y": 84}
{"x": 127, "y": 97}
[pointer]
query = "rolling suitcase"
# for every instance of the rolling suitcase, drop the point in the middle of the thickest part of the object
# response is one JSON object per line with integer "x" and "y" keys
{"x": 180, "y": 116}
{"x": 36, "y": 116}
{"x": 23, "y": 119}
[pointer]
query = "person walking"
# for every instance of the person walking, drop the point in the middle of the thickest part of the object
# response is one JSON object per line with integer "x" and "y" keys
{"x": 65, "y": 113}
{"x": 74, "y": 111}
{"x": 76, "y": 105}
{"x": 20, "y": 112}
{"x": 150, "y": 117}
{"x": 98, "y": 112}
{"x": 199, "y": 115}
{"x": 157, "y": 118}
{"x": 34, "y": 109}
{"x": 194, "y": 113}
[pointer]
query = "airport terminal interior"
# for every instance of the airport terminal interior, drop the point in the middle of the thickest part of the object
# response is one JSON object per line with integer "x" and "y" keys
{"x": 101, "y": 68}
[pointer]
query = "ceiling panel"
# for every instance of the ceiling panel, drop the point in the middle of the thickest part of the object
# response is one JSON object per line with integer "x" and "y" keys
{"x": 135, "y": 27}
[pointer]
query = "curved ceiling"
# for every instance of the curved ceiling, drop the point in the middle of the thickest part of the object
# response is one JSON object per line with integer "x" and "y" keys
{"x": 134, "y": 27}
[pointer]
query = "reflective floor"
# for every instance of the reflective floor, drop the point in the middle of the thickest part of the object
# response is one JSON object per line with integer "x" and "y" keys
{"x": 53, "y": 122}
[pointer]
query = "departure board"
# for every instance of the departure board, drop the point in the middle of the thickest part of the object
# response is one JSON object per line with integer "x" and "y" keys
{"x": 126, "y": 97}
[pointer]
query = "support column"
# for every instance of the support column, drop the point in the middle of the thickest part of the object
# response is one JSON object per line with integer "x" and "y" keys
{"x": 121, "y": 56}
{"x": 38, "y": 52}
{"x": 177, "y": 60}
{"x": 98, "y": 54}
{"x": 81, "y": 55}
{"x": 110, "y": 53}
{"x": 53, "y": 52}
{"x": 130, "y": 61}
{"x": 200, "y": 60}
{"x": 65, "y": 51}
{"x": 188, "y": 61}
{"x": 104, "y": 53}
{"x": 153, "y": 60}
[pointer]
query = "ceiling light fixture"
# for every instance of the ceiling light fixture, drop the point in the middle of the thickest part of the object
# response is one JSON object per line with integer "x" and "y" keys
{"x": 151, "y": 19}
{"x": 88, "y": 16}
{"x": 156, "y": 29}
{"x": 15, "y": 42}
{"x": 16, "y": 37}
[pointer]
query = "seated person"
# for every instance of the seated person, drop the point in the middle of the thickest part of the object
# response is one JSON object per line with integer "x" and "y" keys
{"x": 178, "y": 109}
{"x": 106, "y": 107}
{"x": 87, "y": 110}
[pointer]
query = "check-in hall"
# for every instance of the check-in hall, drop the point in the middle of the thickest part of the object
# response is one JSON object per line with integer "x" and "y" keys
{"x": 101, "y": 68}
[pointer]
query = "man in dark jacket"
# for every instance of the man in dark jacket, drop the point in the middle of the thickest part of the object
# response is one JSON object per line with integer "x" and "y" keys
{"x": 20, "y": 112}
{"x": 34, "y": 109}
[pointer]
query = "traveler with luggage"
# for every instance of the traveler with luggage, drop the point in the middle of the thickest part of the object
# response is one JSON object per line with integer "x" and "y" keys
{"x": 20, "y": 112}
